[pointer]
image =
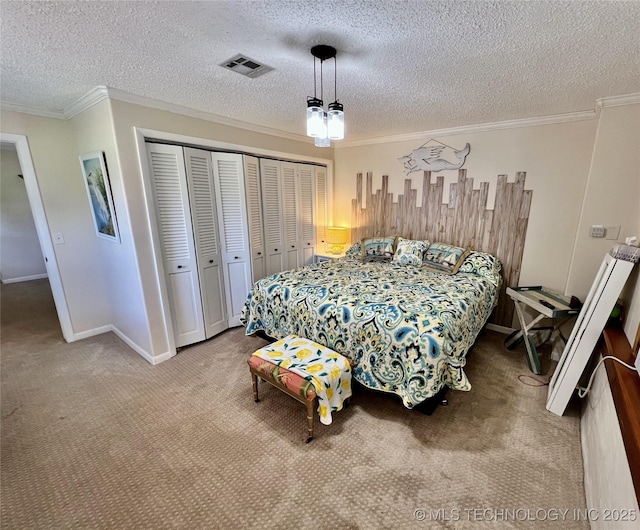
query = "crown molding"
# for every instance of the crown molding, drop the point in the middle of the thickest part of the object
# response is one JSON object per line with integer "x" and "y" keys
{"x": 99, "y": 93}
{"x": 128, "y": 97}
{"x": 91, "y": 98}
{"x": 36, "y": 111}
{"x": 482, "y": 127}
{"x": 617, "y": 101}
{"x": 610, "y": 101}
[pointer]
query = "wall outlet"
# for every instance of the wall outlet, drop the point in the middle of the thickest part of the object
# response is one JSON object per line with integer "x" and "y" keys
{"x": 597, "y": 231}
{"x": 613, "y": 232}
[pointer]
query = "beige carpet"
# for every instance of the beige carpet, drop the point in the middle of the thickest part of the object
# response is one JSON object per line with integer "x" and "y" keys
{"x": 93, "y": 436}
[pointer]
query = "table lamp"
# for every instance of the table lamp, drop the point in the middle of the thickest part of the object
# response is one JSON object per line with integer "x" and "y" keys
{"x": 336, "y": 239}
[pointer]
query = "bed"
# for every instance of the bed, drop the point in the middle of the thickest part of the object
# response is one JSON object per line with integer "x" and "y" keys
{"x": 405, "y": 328}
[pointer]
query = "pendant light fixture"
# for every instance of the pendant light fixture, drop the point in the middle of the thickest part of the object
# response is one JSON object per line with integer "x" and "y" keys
{"x": 323, "y": 126}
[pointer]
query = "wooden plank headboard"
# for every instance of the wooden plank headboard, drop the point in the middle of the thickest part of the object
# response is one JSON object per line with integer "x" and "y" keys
{"x": 464, "y": 222}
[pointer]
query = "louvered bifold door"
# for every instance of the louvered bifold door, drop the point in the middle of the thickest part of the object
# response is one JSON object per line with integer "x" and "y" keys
{"x": 321, "y": 207}
{"x": 169, "y": 183}
{"x": 205, "y": 229}
{"x": 290, "y": 213}
{"x": 306, "y": 244}
{"x": 272, "y": 214}
{"x": 234, "y": 234}
{"x": 254, "y": 213}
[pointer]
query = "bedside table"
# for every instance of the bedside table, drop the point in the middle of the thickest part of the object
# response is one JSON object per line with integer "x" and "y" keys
{"x": 548, "y": 304}
{"x": 320, "y": 257}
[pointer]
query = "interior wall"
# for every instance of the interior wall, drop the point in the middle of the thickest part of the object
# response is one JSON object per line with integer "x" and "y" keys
{"x": 555, "y": 157}
{"x": 612, "y": 197}
{"x": 93, "y": 131}
{"x": 57, "y": 168}
{"x": 21, "y": 257}
{"x": 607, "y": 479}
{"x": 126, "y": 117}
{"x": 107, "y": 283}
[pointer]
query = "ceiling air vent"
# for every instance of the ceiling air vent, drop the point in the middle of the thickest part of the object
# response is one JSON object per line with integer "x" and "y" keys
{"x": 245, "y": 66}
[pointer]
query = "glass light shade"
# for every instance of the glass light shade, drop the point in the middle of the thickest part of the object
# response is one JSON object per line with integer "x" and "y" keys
{"x": 315, "y": 117}
{"x": 322, "y": 140}
{"x": 336, "y": 238}
{"x": 335, "y": 124}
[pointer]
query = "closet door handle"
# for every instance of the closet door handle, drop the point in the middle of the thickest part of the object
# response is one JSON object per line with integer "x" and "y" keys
{"x": 259, "y": 253}
{"x": 276, "y": 250}
{"x": 210, "y": 261}
{"x": 308, "y": 244}
{"x": 293, "y": 246}
{"x": 236, "y": 257}
{"x": 179, "y": 266}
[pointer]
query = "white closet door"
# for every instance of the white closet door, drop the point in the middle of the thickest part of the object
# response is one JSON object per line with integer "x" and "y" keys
{"x": 272, "y": 214}
{"x": 306, "y": 244}
{"x": 254, "y": 211}
{"x": 290, "y": 213}
{"x": 232, "y": 217}
{"x": 321, "y": 210}
{"x": 169, "y": 184}
{"x": 205, "y": 229}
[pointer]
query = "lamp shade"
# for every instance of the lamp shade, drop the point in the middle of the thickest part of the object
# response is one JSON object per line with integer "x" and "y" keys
{"x": 336, "y": 238}
{"x": 315, "y": 118}
{"x": 335, "y": 125}
{"x": 322, "y": 140}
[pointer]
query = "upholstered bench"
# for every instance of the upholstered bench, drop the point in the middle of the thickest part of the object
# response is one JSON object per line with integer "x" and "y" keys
{"x": 309, "y": 372}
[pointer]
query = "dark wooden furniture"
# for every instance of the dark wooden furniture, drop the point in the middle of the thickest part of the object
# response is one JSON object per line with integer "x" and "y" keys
{"x": 625, "y": 387}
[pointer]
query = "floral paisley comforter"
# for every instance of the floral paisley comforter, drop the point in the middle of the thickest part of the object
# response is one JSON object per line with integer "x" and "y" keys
{"x": 405, "y": 329}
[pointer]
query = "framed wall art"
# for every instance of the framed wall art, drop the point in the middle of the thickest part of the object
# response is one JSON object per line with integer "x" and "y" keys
{"x": 96, "y": 180}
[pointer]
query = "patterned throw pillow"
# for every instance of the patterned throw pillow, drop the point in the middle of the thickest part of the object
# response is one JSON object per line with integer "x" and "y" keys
{"x": 354, "y": 250}
{"x": 482, "y": 264}
{"x": 409, "y": 252}
{"x": 378, "y": 248}
{"x": 441, "y": 257}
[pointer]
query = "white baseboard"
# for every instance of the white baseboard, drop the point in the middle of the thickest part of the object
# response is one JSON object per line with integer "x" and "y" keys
{"x": 157, "y": 359}
{"x": 25, "y": 278}
{"x": 90, "y": 333}
{"x": 163, "y": 357}
{"x": 500, "y": 329}
{"x": 132, "y": 344}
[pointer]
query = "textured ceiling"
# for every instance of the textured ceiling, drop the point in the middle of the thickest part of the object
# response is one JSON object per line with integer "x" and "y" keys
{"x": 403, "y": 67}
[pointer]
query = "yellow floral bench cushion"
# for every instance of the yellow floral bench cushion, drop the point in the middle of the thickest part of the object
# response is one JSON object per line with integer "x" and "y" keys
{"x": 328, "y": 371}
{"x": 297, "y": 384}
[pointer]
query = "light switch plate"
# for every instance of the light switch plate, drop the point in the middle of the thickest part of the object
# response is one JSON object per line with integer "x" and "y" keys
{"x": 597, "y": 231}
{"x": 58, "y": 238}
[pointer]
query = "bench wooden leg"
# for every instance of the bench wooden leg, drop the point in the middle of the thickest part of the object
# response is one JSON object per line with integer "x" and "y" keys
{"x": 254, "y": 384}
{"x": 311, "y": 407}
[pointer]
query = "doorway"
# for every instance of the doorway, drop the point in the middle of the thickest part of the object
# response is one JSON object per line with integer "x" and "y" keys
{"x": 21, "y": 258}
{"x": 42, "y": 229}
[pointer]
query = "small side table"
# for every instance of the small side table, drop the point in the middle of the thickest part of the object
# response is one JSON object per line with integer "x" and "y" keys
{"x": 554, "y": 306}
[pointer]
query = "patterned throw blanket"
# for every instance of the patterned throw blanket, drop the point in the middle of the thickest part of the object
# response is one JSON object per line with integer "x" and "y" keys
{"x": 404, "y": 329}
{"x": 328, "y": 371}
